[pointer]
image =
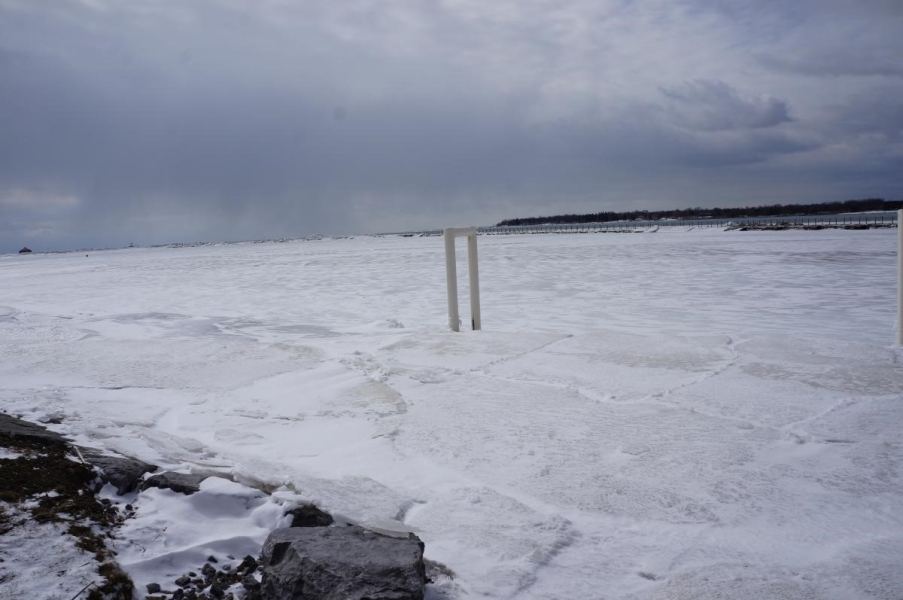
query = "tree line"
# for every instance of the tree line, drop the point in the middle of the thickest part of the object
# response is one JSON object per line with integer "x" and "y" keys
{"x": 769, "y": 210}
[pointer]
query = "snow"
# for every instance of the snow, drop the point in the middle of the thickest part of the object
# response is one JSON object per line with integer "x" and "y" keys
{"x": 40, "y": 560}
{"x": 7, "y": 454}
{"x": 689, "y": 414}
{"x": 171, "y": 534}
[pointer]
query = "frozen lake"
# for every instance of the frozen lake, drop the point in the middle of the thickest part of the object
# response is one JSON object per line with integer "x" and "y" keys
{"x": 685, "y": 414}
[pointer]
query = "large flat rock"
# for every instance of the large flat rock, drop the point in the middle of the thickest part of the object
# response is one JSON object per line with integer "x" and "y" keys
{"x": 125, "y": 474}
{"x": 182, "y": 483}
{"x": 347, "y": 563}
{"x": 12, "y": 427}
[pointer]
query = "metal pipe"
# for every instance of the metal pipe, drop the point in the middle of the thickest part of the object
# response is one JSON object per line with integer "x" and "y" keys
{"x": 473, "y": 271}
{"x": 451, "y": 275}
{"x": 900, "y": 277}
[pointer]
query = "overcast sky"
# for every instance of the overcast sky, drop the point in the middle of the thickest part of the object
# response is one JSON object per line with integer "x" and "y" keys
{"x": 152, "y": 121}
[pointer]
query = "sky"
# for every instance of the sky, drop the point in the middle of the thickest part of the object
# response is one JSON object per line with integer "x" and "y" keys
{"x": 155, "y": 121}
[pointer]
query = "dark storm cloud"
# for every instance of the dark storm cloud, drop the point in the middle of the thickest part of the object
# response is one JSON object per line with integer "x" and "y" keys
{"x": 716, "y": 106}
{"x": 158, "y": 121}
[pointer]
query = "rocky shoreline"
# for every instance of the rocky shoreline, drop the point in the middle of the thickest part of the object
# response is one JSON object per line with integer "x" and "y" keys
{"x": 42, "y": 482}
{"x": 44, "y": 478}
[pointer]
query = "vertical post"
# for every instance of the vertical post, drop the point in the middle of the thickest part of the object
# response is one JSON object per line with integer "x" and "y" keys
{"x": 451, "y": 274}
{"x": 474, "y": 273}
{"x": 900, "y": 277}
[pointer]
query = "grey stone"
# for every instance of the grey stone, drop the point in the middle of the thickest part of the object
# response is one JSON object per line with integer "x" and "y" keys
{"x": 183, "y": 483}
{"x": 12, "y": 427}
{"x": 252, "y": 588}
{"x": 249, "y": 583}
{"x": 247, "y": 566}
{"x": 124, "y": 473}
{"x": 309, "y": 515}
{"x": 347, "y": 563}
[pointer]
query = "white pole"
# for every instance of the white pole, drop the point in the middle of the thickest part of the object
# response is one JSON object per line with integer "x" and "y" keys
{"x": 474, "y": 281}
{"x": 451, "y": 274}
{"x": 900, "y": 277}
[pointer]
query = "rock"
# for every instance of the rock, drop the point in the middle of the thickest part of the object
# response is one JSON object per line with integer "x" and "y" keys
{"x": 252, "y": 588}
{"x": 208, "y": 571}
{"x": 124, "y": 473}
{"x": 54, "y": 419}
{"x": 348, "y": 563}
{"x": 12, "y": 427}
{"x": 217, "y": 590}
{"x": 309, "y": 516}
{"x": 179, "y": 594}
{"x": 435, "y": 569}
{"x": 247, "y": 566}
{"x": 183, "y": 483}
{"x": 153, "y": 588}
{"x": 183, "y": 581}
{"x": 250, "y": 584}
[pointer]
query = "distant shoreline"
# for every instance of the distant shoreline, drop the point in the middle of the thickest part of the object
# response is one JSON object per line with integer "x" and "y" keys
{"x": 822, "y": 209}
{"x": 814, "y": 221}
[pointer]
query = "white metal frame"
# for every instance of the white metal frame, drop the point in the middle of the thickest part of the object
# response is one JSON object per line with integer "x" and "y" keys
{"x": 451, "y": 273}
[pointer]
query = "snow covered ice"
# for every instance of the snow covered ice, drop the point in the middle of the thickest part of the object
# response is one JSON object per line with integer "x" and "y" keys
{"x": 685, "y": 414}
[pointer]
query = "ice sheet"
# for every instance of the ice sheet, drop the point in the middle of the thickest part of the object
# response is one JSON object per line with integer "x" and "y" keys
{"x": 695, "y": 414}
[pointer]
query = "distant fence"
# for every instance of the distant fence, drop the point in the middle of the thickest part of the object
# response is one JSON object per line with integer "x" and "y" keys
{"x": 849, "y": 221}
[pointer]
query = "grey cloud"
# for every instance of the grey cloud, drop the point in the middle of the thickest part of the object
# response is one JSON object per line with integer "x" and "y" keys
{"x": 841, "y": 63}
{"x": 816, "y": 38}
{"x": 784, "y": 16}
{"x": 716, "y": 106}
{"x": 875, "y": 111}
{"x": 152, "y": 122}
